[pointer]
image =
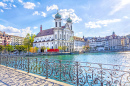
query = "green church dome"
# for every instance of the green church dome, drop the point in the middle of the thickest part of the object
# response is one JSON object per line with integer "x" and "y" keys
{"x": 69, "y": 20}
{"x": 57, "y": 15}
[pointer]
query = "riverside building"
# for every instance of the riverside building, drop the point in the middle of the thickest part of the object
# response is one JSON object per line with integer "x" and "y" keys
{"x": 58, "y": 36}
{"x": 79, "y": 43}
{"x": 16, "y": 40}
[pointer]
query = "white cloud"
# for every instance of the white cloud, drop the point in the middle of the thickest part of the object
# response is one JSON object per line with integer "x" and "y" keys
{"x": 36, "y": 13}
{"x": 20, "y": 1}
{"x": 43, "y": 14}
{"x": 9, "y": 29}
{"x": 65, "y": 14}
{"x": 1, "y": 11}
{"x": 14, "y": 6}
{"x": 35, "y": 27}
{"x": 119, "y": 6}
{"x": 51, "y": 7}
{"x": 125, "y": 17}
{"x": 29, "y": 5}
{"x": 38, "y": 3}
{"x": 14, "y": 31}
{"x": 100, "y": 23}
{"x": 3, "y": 4}
{"x": 8, "y": 0}
{"x": 25, "y": 31}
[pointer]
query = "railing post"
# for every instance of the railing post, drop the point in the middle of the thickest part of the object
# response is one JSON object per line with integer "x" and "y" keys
{"x": 28, "y": 64}
{"x": 101, "y": 75}
{"x": 77, "y": 71}
{"x": 36, "y": 65}
{"x": 60, "y": 69}
{"x": 46, "y": 68}
{"x": 0, "y": 59}
{"x": 15, "y": 62}
{"x": 7, "y": 61}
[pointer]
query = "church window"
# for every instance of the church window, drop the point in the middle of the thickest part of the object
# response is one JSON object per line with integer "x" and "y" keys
{"x": 56, "y": 24}
{"x": 60, "y": 36}
{"x": 60, "y": 24}
{"x": 64, "y": 36}
{"x": 55, "y": 36}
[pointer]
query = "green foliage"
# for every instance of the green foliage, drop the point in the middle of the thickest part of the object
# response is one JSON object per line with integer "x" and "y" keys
{"x": 9, "y": 48}
{"x": 28, "y": 40}
{"x": 1, "y": 48}
{"x": 36, "y": 49}
{"x": 20, "y": 47}
{"x": 60, "y": 48}
{"x": 48, "y": 48}
{"x": 64, "y": 48}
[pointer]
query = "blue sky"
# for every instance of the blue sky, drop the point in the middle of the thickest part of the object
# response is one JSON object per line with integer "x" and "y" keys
{"x": 90, "y": 17}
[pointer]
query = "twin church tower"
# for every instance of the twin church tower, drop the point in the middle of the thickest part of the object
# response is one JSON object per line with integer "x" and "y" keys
{"x": 58, "y": 36}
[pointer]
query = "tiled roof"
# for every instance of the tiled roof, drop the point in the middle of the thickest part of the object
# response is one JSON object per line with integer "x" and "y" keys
{"x": 78, "y": 38}
{"x": 45, "y": 32}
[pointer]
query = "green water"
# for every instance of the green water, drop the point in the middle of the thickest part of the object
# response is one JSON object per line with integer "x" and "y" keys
{"x": 117, "y": 58}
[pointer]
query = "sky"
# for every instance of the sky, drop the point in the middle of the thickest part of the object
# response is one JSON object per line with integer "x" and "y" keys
{"x": 90, "y": 17}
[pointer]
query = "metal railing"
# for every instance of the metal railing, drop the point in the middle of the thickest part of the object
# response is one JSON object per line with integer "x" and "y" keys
{"x": 72, "y": 72}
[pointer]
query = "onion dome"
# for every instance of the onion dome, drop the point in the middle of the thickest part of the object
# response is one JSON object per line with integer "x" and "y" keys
{"x": 69, "y": 20}
{"x": 57, "y": 15}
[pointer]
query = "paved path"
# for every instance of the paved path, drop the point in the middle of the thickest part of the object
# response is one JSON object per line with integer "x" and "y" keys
{"x": 12, "y": 77}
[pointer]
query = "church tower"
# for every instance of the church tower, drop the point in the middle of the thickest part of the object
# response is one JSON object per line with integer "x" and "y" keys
{"x": 57, "y": 20}
{"x": 69, "y": 22}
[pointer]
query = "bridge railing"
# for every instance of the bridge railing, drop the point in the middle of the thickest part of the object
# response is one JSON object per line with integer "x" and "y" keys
{"x": 72, "y": 72}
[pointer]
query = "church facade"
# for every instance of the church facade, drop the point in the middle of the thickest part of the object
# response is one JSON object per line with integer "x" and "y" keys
{"x": 58, "y": 36}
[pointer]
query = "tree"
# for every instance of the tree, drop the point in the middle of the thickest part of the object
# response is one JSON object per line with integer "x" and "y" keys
{"x": 1, "y": 48}
{"x": 48, "y": 48}
{"x": 9, "y": 48}
{"x": 64, "y": 48}
{"x": 19, "y": 48}
{"x": 60, "y": 48}
{"x": 28, "y": 41}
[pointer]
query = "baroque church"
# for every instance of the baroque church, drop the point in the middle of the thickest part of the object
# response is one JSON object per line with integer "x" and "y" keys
{"x": 58, "y": 36}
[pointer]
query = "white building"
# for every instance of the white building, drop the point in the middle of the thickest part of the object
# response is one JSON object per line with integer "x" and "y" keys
{"x": 57, "y": 36}
{"x": 16, "y": 40}
{"x": 79, "y": 43}
{"x": 114, "y": 42}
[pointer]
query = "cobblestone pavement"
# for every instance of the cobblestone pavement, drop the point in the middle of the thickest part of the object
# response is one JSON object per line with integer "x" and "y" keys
{"x": 12, "y": 77}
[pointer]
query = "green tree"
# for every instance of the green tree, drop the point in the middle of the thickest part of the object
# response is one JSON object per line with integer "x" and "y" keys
{"x": 64, "y": 48}
{"x": 20, "y": 48}
{"x": 1, "y": 48}
{"x": 36, "y": 49}
{"x": 9, "y": 48}
{"x": 28, "y": 40}
{"x": 48, "y": 48}
{"x": 60, "y": 48}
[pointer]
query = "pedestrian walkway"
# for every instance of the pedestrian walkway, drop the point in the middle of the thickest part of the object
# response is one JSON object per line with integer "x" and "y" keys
{"x": 12, "y": 77}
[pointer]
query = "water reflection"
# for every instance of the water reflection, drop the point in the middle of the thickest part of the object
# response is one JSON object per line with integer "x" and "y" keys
{"x": 117, "y": 58}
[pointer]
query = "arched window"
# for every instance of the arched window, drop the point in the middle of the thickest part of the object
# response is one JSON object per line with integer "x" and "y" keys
{"x": 56, "y": 24}
{"x": 59, "y": 24}
{"x": 55, "y": 36}
{"x": 60, "y": 36}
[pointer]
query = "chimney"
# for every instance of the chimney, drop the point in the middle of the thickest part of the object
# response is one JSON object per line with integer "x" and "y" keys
{"x": 41, "y": 28}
